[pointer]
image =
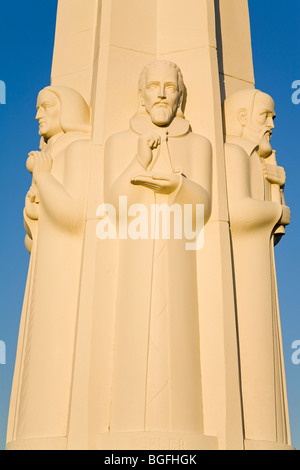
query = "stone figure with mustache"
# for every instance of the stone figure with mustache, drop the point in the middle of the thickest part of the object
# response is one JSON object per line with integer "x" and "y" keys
{"x": 256, "y": 211}
{"x": 159, "y": 160}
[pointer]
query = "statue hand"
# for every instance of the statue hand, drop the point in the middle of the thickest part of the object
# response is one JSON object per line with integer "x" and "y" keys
{"x": 32, "y": 203}
{"x": 42, "y": 163}
{"x": 33, "y": 195}
{"x": 147, "y": 143}
{"x": 274, "y": 174}
{"x": 286, "y": 216}
{"x": 159, "y": 182}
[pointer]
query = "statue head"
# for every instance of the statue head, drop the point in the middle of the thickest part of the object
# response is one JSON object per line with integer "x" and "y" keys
{"x": 250, "y": 114}
{"x": 61, "y": 110}
{"x": 161, "y": 92}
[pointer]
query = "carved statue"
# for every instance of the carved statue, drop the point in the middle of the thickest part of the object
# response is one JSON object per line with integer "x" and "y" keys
{"x": 257, "y": 212}
{"x": 54, "y": 218}
{"x": 159, "y": 160}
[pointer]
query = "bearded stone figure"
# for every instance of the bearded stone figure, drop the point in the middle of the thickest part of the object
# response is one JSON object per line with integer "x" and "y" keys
{"x": 159, "y": 161}
{"x": 54, "y": 218}
{"x": 258, "y": 214}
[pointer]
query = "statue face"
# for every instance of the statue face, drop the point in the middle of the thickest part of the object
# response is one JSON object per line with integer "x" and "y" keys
{"x": 261, "y": 124}
{"x": 48, "y": 114}
{"x": 161, "y": 96}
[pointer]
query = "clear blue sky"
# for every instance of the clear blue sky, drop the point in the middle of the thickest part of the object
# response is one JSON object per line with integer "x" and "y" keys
{"x": 26, "y": 38}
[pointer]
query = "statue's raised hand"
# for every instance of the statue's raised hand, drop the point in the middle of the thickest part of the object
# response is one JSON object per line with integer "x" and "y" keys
{"x": 33, "y": 195}
{"x": 39, "y": 163}
{"x": 147, "y": 143}
{"x": 274, "y": 174}
{"x": 31, "y": 203}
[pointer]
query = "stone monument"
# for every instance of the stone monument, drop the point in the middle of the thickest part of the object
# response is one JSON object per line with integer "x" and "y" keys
{"x": 142, "y": 340}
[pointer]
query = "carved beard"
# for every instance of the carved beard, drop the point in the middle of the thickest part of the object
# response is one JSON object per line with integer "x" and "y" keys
{"x": 265, "y": 148}
{"x": 161, "y": 114}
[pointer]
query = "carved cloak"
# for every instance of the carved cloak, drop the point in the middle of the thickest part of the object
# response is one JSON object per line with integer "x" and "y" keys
{"x": 156, "y": 381}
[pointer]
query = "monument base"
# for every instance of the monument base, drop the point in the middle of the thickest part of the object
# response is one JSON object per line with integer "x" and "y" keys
{"x": 266, "y": 445}
{"x": 156, "y": 441}
{"x": 42, "y": 443}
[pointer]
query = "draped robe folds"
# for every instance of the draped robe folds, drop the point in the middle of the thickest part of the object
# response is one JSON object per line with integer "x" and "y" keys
{"x": 156, "y": 383}
{"x": 43, "y": 373}
{"x": 253, "y": 218}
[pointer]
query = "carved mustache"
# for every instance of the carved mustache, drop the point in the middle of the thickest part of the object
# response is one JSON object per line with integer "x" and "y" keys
{"x": 269, "y": 132}
{"x": 159, "y": 103}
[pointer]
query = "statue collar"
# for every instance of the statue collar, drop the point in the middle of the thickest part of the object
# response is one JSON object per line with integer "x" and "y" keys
{"x": 249, "y": 146}
{"x": 48, "y": 145}
{"x": 141, "y": 124}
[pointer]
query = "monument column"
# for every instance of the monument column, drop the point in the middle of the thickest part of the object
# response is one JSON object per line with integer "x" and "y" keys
{"x": 127, "y": 36}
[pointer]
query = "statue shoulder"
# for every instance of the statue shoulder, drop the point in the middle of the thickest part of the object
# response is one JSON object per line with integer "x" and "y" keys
{"x": 201, "y": 145}
{"x": 235, "y": 152}
{"x": 80, "y": 147}
{"x": 120, "y": 136}
{"x": 120, "y": 140}
{"x": 237, "y": 161}
{"x": 79, "y": 152}
{"x": 81, "y": 144}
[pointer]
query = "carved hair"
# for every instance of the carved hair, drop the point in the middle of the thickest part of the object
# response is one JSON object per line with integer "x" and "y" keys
{"x": 75, "y": 112}
{"x": 181, "y": 85}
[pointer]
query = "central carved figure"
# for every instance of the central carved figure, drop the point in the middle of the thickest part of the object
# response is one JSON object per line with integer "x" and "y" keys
{"x": 156, "y": 382}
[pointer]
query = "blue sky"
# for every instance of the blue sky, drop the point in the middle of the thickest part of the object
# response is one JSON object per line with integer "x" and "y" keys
{"x": 276, "y": 56}
{"x": 27, "y": 38}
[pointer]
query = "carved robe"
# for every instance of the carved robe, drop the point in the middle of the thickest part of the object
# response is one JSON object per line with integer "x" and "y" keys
{"x": 253, "y": 218}
{"x": 43, "y": 372}
{"x": 156, "y": 384}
